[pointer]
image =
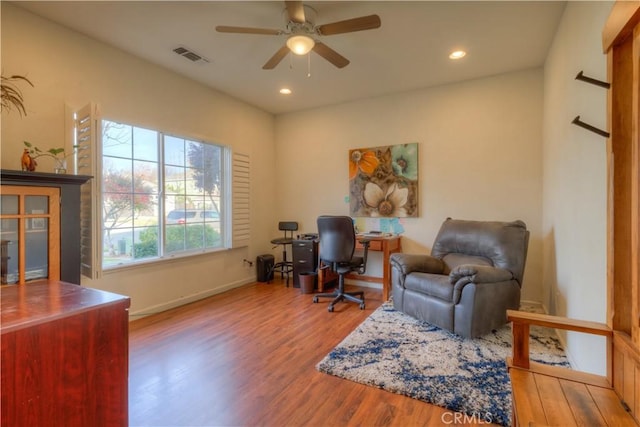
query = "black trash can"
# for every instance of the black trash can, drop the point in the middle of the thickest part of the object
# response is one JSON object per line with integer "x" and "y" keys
{"x": 264, "y": 265}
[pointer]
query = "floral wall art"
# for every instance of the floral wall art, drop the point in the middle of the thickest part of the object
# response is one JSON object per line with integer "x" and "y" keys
{"x": 383, "y": 181}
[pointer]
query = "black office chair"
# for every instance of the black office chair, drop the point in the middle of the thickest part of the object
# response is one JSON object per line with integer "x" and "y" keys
{"x": 337, "y": 245}
{"x": 285, "y": 267}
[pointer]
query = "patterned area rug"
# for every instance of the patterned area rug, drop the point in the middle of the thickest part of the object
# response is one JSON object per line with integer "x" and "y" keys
{"x": 400, "y": 354}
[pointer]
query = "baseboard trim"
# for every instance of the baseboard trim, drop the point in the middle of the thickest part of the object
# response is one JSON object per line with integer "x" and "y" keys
{"x": 363, "y": 284}
{"x": 159, "y": 308}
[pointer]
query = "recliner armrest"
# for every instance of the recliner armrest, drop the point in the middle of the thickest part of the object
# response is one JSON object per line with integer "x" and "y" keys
{"x": 408, "y": 263}
{"x": 479, "y": 274}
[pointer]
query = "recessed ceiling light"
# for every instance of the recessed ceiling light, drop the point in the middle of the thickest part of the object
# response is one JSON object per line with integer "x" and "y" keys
{"x": 285, "y": 91}
{"x": 457, "y": 54}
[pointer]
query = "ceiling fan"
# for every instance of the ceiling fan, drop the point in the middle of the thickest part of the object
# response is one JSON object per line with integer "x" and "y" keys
{"x": 302, "y": 34}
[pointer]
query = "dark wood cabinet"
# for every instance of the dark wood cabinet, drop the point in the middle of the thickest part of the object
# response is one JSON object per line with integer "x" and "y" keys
{"x": 62, "y": 225}
{"x": 64, "y": 356}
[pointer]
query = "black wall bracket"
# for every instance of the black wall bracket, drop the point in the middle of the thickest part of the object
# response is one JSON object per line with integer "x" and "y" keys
{"x": 593, "y": 81}
{"x": 587, "y": 126}
{"x": 580, "y": 76}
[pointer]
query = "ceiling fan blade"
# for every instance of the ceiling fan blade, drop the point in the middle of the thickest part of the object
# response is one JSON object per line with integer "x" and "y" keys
{"x": 247, "y": 30}
{"x": 350, "y": 25}
{"x": 330, "y": 55}
{"x": 275, "y": 59}
{"x": 295, "y": 9}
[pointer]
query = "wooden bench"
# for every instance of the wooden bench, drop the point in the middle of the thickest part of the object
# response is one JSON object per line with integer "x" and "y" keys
{"x": 554, "y": 396}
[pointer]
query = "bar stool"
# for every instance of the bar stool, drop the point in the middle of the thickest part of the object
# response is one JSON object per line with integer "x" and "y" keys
{"x": 285, "y": 267}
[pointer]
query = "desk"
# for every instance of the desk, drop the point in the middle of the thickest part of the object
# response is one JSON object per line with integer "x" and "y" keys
{"x": 386, "y": 245}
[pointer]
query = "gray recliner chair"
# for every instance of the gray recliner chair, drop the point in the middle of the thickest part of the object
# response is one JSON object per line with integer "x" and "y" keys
{"x": 473, "y": 275}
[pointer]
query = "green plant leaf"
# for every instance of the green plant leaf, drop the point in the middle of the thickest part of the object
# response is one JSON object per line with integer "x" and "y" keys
{"x": 56, "y": 151}
{"x": 10, "y": 95}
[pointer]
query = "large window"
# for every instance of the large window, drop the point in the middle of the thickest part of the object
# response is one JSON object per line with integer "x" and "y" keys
{"x": 162, "y": 195}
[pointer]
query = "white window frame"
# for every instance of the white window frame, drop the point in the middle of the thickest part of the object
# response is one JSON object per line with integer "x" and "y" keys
{"x": 226, "y": 201}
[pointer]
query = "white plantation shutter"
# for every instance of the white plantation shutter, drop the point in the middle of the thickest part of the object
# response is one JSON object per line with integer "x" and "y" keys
{"x": 87, "y": 126}
{"x": 240, "y": 210}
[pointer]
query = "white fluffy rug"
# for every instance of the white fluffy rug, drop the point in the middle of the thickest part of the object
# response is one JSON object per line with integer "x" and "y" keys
{"x": 400, "y": 354}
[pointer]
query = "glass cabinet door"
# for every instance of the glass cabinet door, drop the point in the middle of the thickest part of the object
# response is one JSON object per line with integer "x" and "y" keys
{"x": 29, "y": 234}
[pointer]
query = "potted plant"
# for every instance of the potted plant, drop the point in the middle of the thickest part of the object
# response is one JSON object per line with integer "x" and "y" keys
{"x": 57, "y": 154}
{"x": 10, "y": 94}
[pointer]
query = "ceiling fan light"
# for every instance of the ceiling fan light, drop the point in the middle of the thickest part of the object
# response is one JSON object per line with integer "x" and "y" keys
{"x": 300, "y": 45}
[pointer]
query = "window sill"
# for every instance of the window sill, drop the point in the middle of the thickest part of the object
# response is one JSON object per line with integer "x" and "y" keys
{"x": 161, "y": 260}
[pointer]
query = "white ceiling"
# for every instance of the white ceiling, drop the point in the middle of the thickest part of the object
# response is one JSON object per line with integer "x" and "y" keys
{"x": 409, "y": 51}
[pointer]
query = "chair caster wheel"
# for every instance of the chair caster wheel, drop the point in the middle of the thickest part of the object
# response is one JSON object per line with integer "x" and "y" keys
{"x": 330, "y": 309}
{"x": 362, "y": 306}
{"x": 315, "y": 300}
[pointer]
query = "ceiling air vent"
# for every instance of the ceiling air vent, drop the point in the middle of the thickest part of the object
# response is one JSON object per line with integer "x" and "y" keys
{"x": 189, "y": 54}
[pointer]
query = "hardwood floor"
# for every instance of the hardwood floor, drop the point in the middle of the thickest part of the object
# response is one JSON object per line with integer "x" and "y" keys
{"x": 247, "y": 358}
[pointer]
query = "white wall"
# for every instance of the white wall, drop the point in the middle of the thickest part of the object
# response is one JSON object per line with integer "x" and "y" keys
{"x": 574, "y": 178}
{"x": 480, "y": 150}
{"x": 67, "y": 68}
